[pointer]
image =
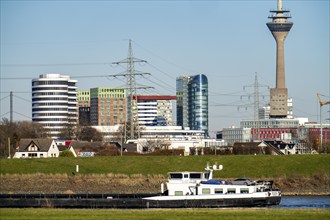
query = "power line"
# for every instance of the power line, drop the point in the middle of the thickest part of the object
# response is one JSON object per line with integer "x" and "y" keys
{"x": 16, "y": 78}
{"x": 23, "y": 99}
{"x": 23, "y": 115}
{"x": 53, "y": 64}
{"x": 4, "y": 97}
{"x": 4, "y": 114}
{"x": 16, "y": 92}
{"x": 163, "y": 59}
{"x": 30, "y": 78}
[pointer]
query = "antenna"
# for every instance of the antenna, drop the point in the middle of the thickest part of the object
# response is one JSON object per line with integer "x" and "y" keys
{"x": 211, "y": 169}
{"x": 11, "y": 107}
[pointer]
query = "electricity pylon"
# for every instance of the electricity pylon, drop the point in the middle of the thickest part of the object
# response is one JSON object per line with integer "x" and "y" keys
{"x": 132, "y": 124}
{"x": 256, "y": 124}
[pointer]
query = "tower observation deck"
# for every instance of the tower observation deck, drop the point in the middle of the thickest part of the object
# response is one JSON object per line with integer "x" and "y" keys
{"x": 279, "y": 27}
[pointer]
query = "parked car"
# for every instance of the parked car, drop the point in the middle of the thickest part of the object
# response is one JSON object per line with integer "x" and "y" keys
{"x": 241, "y": 181}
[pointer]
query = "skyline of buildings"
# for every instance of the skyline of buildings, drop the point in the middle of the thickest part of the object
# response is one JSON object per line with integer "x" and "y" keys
{"x": 192, "y": 93}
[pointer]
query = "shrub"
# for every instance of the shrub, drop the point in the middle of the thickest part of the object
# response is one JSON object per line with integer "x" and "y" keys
{"x": 66, "y": 153}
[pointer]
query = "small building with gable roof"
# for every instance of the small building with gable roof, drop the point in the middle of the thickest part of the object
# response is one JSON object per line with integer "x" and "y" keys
{"x": 37, "y": 148}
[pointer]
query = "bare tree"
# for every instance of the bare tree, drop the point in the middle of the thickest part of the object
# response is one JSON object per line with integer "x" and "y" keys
{"x": 155, "y": 144}
{"x": 14, "y": 131}
{"x": 88, "y": 133}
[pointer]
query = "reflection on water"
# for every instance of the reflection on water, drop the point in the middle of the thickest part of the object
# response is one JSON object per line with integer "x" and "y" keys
{"x": 305, "y": 202}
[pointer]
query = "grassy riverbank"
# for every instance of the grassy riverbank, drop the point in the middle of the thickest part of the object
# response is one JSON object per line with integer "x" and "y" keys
{"x": 173, "y": 214}
{"x": 234, "y": 165}
{"x": 293, "y": 174}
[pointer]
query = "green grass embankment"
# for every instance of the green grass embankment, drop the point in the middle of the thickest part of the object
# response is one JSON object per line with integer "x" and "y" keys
{"x": 293, "y": 174}
{"x": 266, "y": 166}
{"x": 182, "y": 214}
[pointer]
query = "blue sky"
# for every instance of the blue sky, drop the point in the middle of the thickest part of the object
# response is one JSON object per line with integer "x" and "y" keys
{"x": 228, "y": 41}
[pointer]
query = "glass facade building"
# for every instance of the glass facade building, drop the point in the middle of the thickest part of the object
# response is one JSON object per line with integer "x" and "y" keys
{"x": 192, "y": 102}
{"x": 182, "y": 104}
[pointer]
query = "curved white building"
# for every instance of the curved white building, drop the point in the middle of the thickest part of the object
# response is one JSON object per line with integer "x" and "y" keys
{"x": 54, "y": 102}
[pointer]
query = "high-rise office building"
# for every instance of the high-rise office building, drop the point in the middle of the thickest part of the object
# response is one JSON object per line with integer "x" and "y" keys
{"x": 107, "y": 106}
{"x": 279, "y": 27}
{"x": 84, "y": 107}
{"x": 83, "y": 98}
{"x": 156, "y": 110}
{"x": 192, "y": 102}
{"x": 54, "y": 102}
{"x": 182, "y": 104}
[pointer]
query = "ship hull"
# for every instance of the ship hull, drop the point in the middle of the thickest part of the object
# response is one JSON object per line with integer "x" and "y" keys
{"x": 138, "y": 202}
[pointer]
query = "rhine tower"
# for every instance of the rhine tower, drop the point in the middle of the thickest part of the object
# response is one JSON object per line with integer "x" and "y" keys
{"x": 280, "y": 27}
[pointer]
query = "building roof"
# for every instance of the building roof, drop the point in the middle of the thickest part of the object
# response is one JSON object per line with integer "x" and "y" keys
{"x": 62, "y": 147}
{"x": 280, "y": 144}
{"x": 42, "y": 143}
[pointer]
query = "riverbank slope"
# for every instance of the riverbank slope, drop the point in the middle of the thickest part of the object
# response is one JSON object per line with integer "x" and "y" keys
{"x": 293, "y": 174}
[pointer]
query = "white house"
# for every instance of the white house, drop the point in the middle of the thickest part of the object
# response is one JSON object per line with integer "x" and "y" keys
{"x": 37, "y": 148}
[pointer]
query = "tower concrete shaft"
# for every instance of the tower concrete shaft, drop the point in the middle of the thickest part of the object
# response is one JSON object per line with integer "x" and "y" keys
{"x": 279, "y": 27}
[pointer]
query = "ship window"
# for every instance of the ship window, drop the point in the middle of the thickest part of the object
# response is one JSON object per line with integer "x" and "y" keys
{"x": 206, "y": 191}
{"x": 218, "y": 191}
{"x": 195, "y": 175}
{"x": 178, "y": 193}
{"x": 244, "y": 190}
{"x": 231, "y": 190}
{"x": 186, "y": 176}
{"x": 176, "y": 175}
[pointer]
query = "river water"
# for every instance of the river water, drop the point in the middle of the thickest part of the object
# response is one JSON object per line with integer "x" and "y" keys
{"x": 305, "y": 202}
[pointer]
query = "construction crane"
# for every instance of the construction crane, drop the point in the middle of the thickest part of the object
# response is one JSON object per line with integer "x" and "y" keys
{"x": 321, "y": 104}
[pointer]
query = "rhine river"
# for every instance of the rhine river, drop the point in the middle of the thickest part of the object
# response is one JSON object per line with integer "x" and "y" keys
{"x": 304, "y": 202}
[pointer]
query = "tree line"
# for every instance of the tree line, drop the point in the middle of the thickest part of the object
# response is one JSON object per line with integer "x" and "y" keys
{"x": 12, "y": 132}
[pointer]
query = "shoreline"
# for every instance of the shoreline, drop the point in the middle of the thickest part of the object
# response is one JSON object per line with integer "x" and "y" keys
{"x": 306, "y": 194}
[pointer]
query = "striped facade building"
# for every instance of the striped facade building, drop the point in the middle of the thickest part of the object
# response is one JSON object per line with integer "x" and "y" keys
{"x": 156, "y": 110}
{"x": 54, "y": 102}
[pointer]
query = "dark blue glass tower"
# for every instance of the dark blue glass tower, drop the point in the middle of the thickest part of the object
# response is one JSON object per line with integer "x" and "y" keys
{"x": 192, "y": 102}
{"x": 198, "y": 103}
